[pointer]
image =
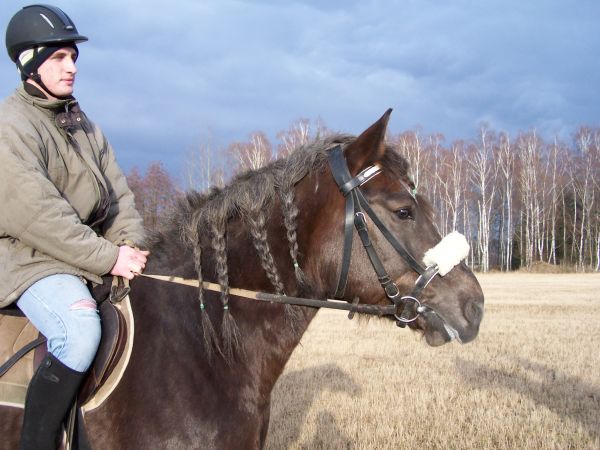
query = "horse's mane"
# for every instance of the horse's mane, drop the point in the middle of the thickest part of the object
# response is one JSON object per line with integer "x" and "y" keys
{"x": 250, "y": 197}
{"x": 255, "y": 190}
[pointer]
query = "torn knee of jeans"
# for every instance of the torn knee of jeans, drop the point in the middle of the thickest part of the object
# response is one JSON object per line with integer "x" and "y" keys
{"x": 84, "y": 303}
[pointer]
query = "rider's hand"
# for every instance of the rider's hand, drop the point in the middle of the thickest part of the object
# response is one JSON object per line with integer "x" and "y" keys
{"x": 130, "y": 262}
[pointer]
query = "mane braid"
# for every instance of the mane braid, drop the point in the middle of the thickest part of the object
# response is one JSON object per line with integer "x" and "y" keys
{"x": 208, "y": 331}
{"x": 253, "y": 213}
{"x": 220, "y": 248}
{"x": 290, "y": 213}
{"x": 229, "y": 330}
{"x": 258, "y": 230}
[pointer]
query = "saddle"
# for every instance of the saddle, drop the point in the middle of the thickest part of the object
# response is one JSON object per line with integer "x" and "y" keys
{"x": 19, "y": 337}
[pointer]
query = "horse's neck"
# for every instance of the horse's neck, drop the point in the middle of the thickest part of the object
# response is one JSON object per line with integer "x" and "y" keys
{"x": 271, "y": 332}
{"x": 268, "y": 334}
{"x": 272, "y": 340}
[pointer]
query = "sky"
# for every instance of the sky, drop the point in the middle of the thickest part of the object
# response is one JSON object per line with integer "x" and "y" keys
{"x": 164, "y": 78}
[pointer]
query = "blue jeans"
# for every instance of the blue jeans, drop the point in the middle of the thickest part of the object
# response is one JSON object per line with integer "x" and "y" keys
{"x": 63, "y": 310}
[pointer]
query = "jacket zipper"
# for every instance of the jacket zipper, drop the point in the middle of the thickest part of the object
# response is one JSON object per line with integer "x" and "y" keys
{"x": 89, "y": 171}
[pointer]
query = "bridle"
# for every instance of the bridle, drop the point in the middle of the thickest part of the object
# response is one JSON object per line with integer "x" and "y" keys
{"x": 407, "y": 307}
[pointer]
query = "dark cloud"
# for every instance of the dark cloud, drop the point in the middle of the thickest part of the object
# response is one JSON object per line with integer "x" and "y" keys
{"x": 160, "y": 75}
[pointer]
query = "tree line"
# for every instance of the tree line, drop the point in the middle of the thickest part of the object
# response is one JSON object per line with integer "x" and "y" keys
{"x": 520, "y": 200}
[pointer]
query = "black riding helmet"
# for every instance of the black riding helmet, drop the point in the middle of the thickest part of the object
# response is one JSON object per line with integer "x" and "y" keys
{"x": 39, "y": 25}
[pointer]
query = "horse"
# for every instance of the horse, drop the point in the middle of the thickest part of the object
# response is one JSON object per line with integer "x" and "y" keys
{"x": 204, "y": 363}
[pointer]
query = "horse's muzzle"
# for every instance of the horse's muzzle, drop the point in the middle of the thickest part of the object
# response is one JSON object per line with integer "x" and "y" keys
{"x": 439, "y": 331}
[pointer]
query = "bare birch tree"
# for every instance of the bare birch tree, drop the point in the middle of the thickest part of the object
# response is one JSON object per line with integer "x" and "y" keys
{"x": 483, "y": 173}
{"x": 251, "y": 155}
{"x": 529, "y": 150}
{"x": 410, "y": 146}
{"x": 506, "y": 166}
{"x": 199, "y": 167}
{"x": 452, "y": 188}
{"x": 556, "y": 160}
{"x": 298, "y": 134}
{"x": 588, "y": 146}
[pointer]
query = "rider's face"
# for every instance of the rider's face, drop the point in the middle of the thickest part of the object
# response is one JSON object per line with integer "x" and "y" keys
{"x": 58, "y": 72}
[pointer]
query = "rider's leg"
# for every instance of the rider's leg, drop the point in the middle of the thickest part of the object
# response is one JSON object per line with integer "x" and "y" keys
{"x": 62, "y": 309}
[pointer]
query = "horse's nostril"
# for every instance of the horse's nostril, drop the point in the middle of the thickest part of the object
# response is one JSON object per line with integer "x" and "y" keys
{"x": 473, "y": 312}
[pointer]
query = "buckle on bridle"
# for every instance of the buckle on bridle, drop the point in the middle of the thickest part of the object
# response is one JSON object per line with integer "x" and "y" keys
{"x": 392, "y": 294}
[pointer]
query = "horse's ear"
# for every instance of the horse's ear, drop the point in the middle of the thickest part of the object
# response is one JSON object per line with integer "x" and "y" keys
{"x": 369, "y": 147}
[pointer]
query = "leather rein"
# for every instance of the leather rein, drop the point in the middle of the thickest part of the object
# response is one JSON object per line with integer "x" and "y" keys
{"x": 405, "y": 308}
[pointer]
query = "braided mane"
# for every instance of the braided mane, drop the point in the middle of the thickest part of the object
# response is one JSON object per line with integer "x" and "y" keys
{"x": 250, "y": 197}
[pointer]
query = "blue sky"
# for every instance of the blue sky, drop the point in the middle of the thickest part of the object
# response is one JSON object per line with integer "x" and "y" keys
{"x": 163, "y": 77}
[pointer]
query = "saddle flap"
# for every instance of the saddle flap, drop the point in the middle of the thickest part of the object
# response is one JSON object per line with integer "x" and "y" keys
{"x": 15, "y": 332}
{"x": 114, "y": 336}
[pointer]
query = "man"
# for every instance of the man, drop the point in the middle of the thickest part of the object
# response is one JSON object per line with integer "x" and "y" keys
{"x": 67, "y": 217}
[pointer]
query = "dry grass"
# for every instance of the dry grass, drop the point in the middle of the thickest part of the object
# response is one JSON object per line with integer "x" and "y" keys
{"x": 530, "y": 381}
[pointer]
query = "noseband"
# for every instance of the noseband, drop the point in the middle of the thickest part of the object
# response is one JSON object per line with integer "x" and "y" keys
{"x": 407, "y": 307}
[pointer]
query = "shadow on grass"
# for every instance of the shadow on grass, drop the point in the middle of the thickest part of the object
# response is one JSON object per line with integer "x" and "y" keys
{"x": 289, "y": 417}
{"x": 567, "y": 396}
{"x": 328, "y": 435}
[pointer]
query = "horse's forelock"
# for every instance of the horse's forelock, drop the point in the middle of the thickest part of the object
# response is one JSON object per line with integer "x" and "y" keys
{"x": 398, "y": 167}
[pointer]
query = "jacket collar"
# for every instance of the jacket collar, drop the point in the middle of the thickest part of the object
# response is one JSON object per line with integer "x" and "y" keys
{"x": 36, "y": 97}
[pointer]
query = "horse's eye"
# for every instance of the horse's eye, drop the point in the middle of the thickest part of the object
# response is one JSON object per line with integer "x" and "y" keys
{"x": 404, "y": 213}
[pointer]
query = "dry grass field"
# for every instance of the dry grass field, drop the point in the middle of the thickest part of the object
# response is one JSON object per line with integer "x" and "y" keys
{"x": 530, "y": 381}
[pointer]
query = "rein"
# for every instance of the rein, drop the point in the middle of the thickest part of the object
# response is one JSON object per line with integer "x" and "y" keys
{"x": 354, "y": 307}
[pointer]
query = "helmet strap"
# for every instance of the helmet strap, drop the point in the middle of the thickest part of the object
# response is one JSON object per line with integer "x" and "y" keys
{"x": 38, "y": 79}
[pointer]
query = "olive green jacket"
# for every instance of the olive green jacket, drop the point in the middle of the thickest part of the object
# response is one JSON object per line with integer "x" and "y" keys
{"x": 64, "y": 203}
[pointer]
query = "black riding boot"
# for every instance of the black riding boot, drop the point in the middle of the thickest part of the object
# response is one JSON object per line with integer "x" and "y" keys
{"x": 49, "y": 397}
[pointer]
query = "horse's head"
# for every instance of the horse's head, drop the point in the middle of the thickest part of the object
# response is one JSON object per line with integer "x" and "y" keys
{"x": 374, "y": 238}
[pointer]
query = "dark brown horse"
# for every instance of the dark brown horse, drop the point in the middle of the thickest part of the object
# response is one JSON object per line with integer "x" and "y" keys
{"x": 204, "y": 364}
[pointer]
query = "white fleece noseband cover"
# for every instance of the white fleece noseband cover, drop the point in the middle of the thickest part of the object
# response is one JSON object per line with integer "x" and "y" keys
{"x": 448, "y": 253}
